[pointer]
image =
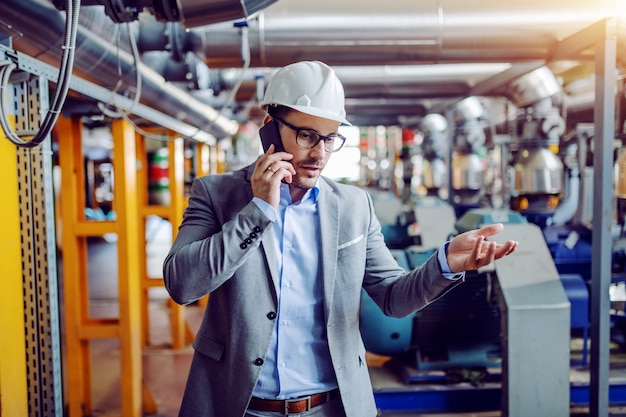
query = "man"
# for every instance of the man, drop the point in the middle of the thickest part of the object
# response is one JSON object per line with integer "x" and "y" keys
{"x": 284, "y": 253}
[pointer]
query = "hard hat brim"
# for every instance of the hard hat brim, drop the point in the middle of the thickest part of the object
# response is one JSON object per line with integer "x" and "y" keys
{"x": 309, "y": 110}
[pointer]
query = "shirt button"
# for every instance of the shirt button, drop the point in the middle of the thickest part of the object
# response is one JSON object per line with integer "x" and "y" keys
{"x": 271, "y": 315}
{"x": 283, "y": 364}
{"x": 258, "y": 361}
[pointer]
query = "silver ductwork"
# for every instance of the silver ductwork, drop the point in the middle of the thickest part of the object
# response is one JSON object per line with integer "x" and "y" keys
{"x": 425, "y": 41}
{"x": 533, "y": 87}
{"x": 361, "y": 40}
{"x": 402, "y": 32}
{"x": 378, "y": 94}
{"x": 37, "y": 29}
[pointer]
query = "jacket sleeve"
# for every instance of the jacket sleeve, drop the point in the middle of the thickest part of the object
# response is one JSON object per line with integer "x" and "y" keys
{"x": 213, "y": 241}
{"x": 399, "y": 293}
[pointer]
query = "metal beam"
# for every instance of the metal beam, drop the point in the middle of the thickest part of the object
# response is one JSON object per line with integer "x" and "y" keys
{"x": 492, "y": 85}
{"x": 571, "y": 47}
{"x": 93, "y": 91}
{"x": 604, "y": 121}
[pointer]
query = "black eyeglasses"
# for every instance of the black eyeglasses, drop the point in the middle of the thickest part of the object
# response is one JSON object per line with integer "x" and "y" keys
{"x": 307, "y": 138}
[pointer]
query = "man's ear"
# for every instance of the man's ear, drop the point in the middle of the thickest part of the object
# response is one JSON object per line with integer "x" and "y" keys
{"x": 267, "y": 119}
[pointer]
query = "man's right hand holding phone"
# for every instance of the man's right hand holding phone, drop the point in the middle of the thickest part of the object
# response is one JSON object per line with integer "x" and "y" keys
{"x": 270, "y": 170}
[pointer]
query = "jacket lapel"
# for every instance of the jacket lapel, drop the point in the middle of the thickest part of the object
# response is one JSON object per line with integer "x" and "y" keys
{"x": 328, "y": 206}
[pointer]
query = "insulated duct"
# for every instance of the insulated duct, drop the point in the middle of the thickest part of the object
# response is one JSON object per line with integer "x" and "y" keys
{"x": 425, "y": 41}
{"x": 361, "y": 40}
{"x": 403, "y": 32}
{"x": 98, "y": 59}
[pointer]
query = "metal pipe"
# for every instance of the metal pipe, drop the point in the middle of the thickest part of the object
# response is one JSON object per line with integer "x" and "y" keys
{"x": 99, "y": 60}
{"x": 402, "y": 32}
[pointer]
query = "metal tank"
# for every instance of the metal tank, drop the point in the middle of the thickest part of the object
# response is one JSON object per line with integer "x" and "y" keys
{"x": 467, "y": 177}
{"x": 467, "y": 167}
{"x": 536, "y": 172}
{"x": 537, "y": 178}
{"x": 434, "y": 149}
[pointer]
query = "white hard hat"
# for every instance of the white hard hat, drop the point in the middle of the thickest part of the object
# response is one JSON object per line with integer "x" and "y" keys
{"x": 311, "y": 87}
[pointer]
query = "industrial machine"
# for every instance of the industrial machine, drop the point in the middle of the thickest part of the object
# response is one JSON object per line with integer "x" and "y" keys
{"x": 536, "y": 171}
{"x": 467, "y": 167}
{"x": 434, "y": 150}
{"x": 494, "y": 321}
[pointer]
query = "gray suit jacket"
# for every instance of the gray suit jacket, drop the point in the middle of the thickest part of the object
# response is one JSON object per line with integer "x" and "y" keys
{"x": 224, "y": 247}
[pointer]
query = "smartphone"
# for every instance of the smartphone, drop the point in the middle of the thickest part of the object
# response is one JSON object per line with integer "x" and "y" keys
{"x": 270, "y": 135}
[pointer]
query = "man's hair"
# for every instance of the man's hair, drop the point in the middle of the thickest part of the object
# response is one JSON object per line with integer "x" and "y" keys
{"x": 277, "y": 110}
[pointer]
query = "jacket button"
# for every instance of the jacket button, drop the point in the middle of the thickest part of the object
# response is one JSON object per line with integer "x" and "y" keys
{"x": 253, "y": 235}
{"x": 248, "y": 240}
{"x": 243, "y": 246}
{"x": 256, "y": 229}
{"x": 258, "y": 361}
{"x": 271, "y": 315}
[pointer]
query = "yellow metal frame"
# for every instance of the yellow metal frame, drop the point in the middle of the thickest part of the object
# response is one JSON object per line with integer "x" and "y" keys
{"x": 13, "y": 380}
{"x": 80, "y": 329}
{"x": 180, "y": 332}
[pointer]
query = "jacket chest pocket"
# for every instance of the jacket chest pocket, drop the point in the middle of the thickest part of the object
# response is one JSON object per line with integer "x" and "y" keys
{"x": 350, "y": 247}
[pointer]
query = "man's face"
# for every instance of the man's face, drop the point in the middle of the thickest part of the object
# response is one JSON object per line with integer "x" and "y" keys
{"x": 308, "y": 163}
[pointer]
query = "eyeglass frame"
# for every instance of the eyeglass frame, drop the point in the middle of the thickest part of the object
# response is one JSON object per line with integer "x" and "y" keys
{"x": 320, "y": 137}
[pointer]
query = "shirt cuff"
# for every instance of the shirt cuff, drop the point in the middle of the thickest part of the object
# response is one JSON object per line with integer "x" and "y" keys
{"x": 265, "y": 207}
{"x": 443, "y": 264}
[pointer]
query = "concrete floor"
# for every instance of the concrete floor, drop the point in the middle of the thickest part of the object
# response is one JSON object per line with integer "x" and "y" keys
{"x": 165, "y": 370}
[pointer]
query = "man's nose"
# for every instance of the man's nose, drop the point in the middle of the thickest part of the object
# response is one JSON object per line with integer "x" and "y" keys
{"x": 319, "y": 149}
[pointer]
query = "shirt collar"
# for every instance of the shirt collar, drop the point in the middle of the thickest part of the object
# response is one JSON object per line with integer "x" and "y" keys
{"x": 312, "y": 193}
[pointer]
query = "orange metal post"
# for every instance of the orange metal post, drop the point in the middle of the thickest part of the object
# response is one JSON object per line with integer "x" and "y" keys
{"x": 177, "y": 206}
{"x": 80, "y": 329}
{"x": 127, "y": 210}
{"x": 172, "y": 212}
{"x": 78, "y": 369}
{"x": 142, "y": 196}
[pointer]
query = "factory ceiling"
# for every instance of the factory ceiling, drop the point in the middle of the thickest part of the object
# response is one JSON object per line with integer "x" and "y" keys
{"x": 399, "y": 60}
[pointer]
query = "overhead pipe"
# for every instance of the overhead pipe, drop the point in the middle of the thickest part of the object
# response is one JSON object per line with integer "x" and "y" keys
{"x": 405, "y": 32}
{"x": 360, "y": 41}
{"x": 386, "y": 93}
{"x": 99, "y": 60}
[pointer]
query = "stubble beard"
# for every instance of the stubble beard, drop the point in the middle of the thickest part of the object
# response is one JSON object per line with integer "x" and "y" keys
{"x": 307, "y": 182}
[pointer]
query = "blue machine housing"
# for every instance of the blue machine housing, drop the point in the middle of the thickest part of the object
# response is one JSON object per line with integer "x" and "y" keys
{"x": 570, "y": 247}
{"x": 384, "y": 335}
{"x": 462, "y": 329}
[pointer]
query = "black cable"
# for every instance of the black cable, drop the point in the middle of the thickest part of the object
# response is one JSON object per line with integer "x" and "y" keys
{"x": 63, "y": 83}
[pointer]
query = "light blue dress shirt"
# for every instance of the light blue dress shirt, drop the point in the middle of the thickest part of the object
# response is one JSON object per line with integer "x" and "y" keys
{"x": 298, "y": 360}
